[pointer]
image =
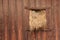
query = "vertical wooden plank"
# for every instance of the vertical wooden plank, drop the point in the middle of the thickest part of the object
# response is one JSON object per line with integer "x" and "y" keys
{"x": 50, "y": 25}
{"x": 58, "y": 7}
{"x": 38, "y": 3}
{"x": 48, "y": 3}
{"x": 53, "y": 21}
{"x": 2, "y": 21}
{"x": 9, "y": 22}
{"x": 27, "y": 34}
{"x": 5, "y": 10}
{"x": 1, "y": 16}
{"x": 43, "y": 3}
{"x": 25, "y": 13}
{"x": 44, "y": 36}
{"x": 19, "y": 20}
{"x": 55, "y": 11}
{"x": 39, "y": 35}
{"x": 33, "y": 36}
{"x": 58, "y": 20}
{"x": 49, "y": 21}
{"x": 12, "y": 12}
{"x": 26, "y": 4}
{"x": 32, "y": 3}
{"x": 16, "y": 20}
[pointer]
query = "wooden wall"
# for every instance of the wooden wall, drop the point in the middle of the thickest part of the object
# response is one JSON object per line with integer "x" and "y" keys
{"x": 14, "y": 19}
{"x": 11, "y": 19}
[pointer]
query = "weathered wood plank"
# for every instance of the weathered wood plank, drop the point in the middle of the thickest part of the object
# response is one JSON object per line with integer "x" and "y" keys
{"x": 32, "y": 3}
{"x": 5, "y": 13}
{"x": 9, "y": 22}
{"x": 19, "y": 20}
{"x": 43, "y": 3}
{"x": 14, "y": 19}
{"x": 58, "y": 7}
{"x": 12, "y": 12}
{"x": 1, "y": 20}
{"x": 25, "y": 20}
{"x": 53, "y": 21}
{"x": 38, "y": 3}
{"x": 55, "y": 12}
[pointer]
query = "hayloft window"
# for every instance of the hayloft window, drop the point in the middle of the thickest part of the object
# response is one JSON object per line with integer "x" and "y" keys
{"x": 37, "y": 19}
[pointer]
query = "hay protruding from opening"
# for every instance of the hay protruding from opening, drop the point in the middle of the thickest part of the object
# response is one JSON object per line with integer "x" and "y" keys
{"x": 37, "y": 19}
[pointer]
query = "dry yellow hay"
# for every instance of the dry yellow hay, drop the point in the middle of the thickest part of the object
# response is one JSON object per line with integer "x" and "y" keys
{"x": 37, "y": 19}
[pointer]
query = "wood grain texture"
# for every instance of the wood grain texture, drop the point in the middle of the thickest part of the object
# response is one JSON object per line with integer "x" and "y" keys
{"x": 25, "y": 20}
{"x": 5, "y": 13}
{"x": 1, "y": 20}
{"x": 12, "y": 12}
{"x": 50, "y": 19}
{"x": 32, "y": 3}
{"x": 9, "y": 20}
{"x": 58, "y": 8}
{"x": 19, "y": 4}
{"x": 14, "y": 19}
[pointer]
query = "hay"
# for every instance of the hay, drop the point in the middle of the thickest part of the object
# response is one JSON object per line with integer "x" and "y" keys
{"x": 37, "y": 19}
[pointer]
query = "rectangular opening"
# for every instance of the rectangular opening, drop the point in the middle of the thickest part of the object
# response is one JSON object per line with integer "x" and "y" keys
{"x": 37, "y": 19}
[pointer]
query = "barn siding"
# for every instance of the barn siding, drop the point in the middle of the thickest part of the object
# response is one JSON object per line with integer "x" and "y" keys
{"x": 1, "y": 21}
{"x": 14, "y": 19}
{"x": 10, "y": 19}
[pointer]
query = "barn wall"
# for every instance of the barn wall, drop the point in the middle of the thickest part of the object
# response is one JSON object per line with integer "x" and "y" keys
{"x": 10, "y": 19}
{"x": 14, "y": 19}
